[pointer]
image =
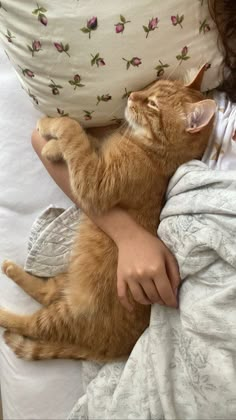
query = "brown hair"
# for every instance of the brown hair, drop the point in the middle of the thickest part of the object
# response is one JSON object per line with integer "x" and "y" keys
{"x": 224, "y": 14}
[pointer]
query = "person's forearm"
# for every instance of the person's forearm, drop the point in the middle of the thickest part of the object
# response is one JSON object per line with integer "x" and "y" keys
{"x": 116, "y": 223}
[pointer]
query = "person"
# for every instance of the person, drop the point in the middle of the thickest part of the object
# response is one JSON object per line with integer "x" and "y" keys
{"x": 145, "y": 265}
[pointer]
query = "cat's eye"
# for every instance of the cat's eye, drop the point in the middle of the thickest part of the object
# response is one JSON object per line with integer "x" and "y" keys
{"x": 152, "y": 104}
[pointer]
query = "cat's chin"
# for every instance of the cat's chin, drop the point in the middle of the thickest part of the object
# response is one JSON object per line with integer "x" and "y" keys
{"x": 131, "y": 120}
{"x": 137, "y": 129}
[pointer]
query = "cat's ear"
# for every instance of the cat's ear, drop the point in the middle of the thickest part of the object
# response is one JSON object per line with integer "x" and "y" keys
{"x": 197, "y": 80}
{"x": 199, "y": 114}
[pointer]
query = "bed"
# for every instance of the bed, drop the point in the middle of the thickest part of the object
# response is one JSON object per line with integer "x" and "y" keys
{"x": 44, "y": 390}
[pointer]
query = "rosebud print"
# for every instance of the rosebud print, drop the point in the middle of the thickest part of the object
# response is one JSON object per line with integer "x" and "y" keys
{"x": 126, "y": 94}
{"x": 161, "y": 68}
{"x": 9, "y": 36}
{"x": 135, "y": 62}
{"x": 61, "y": 112}
{"x": 55, "y": 88}
{"x": 103, "y": 98}
{"x": 76, "y": 81}
{"x": 88, "y": 115}
{"x": 96, "y": 59}
{"x": 117, "y": 121}
{"x": 40, "y": 13}
{"x": 36, "y": 47}
{"x": 207, "y": 66}
{"x": 183, "y": 56}
{"x": 27, "y": 72}
{"x": 204, "y": 27}
{"x": 152, "y": 25}
{"x": 33, "y": 97}
{"x": 174, "y": 20}
{"x": 177, "y": 20}
{"x": 92, "y": 25}
{"x": 62, "y": 48}
{"x": 43, "y": 19}
{"x": 120, "y": 26}
{"x": 77, "y": 78}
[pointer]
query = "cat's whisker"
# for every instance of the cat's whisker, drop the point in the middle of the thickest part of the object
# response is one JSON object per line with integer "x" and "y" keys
{"x": 172, "y": 71}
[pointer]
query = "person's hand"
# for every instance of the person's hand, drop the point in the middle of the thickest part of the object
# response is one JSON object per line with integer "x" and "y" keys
{"x": 147, "y": 269}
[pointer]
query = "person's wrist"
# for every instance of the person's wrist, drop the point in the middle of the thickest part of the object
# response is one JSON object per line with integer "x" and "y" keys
{"x": 132, "y": 232}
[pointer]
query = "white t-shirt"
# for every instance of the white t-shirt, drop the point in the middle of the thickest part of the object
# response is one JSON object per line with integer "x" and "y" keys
{"x": 221, "y": 151}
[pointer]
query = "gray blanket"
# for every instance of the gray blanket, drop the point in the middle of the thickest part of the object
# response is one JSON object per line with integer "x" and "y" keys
{"x": 184, "y": 365}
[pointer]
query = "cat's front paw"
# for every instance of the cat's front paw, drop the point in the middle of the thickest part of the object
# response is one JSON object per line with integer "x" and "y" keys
{"x": 45, "y": 127}
{"x": 52, "y": 151}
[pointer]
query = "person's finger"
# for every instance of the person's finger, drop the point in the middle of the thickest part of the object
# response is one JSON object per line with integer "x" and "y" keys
{"x": 165, "y": 291}
{"x": 172, "y": 270}
{"x": 151, "y": 291}
{"x": 122, "y": 295}
{"x": 138, "y": 294}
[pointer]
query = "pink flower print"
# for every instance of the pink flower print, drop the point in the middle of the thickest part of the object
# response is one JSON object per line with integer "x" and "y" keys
{"x": 88, "y": 115}
{"x": 92, "y": 25}
{"x": 103, "y": 98}
{"x": 204, "y": 27}
{"x": 207, "y": 66}
{"x": 77, "y": 78}
{"x": 152, "y": 25}
{"x": 61, "y": 112}
{"x": 62, "y": 48}
{"x": 177, "y": 20}
{"x": 135, "y": 62}
{"x": 161, "y": 68}
{"x": 2, "y": 7}
{"x": 36, "y": 47}
{"x": 55, "y": 88}
{"x": 43, "y": 19}
{"x": 40, "y": 13}
{"x": 96, "y": 59}
{"x": 120, "y": 26}
{"x": 27, "y": 72}
{"x": 183, "y": 56}
{"x": 9, "y": 36}
{"x": 117, "y": 121}
{"x": 76, "y": 81}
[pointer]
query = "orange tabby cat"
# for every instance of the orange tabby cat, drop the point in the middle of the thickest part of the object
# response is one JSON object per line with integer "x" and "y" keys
{"x": 82, "y": 317}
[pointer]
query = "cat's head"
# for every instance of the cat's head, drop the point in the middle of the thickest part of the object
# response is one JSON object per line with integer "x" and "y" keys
{"x": 172, "y": 114}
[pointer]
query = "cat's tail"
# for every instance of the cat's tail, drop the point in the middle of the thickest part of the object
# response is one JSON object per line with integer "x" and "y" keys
{"x": 29, "y": 349}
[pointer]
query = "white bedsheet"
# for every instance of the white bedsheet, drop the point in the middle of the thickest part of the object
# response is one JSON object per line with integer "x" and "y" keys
{"x": 30, "y": 390}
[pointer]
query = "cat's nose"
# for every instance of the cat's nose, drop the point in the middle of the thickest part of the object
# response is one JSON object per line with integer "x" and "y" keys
{"x": 136, "y": 96}
{"x": 132, "y": 96}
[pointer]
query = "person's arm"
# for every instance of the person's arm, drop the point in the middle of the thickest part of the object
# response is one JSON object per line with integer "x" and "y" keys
{"x": 145, "y": 265}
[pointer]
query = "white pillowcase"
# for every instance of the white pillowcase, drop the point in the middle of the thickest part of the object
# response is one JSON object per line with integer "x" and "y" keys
{"x": 83, "y": 57}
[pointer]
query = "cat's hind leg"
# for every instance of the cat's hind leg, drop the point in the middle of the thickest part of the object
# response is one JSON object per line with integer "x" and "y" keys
{"x": 42, "y": 290}
{"x": 51, "y": 323}
{"x": 30, "y": 349}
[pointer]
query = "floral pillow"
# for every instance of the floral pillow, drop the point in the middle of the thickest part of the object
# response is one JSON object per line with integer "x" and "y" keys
{"x": 83, "y": 57}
